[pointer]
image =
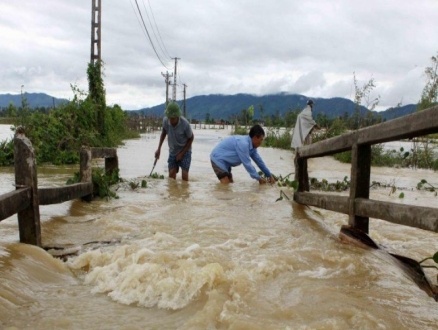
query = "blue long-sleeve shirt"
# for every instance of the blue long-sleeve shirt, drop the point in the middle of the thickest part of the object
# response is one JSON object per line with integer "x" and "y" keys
{"x": 235, "y": 150}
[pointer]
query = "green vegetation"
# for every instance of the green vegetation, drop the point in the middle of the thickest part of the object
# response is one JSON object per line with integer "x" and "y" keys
{"x": 285, "y": 181}
{"x": 102, "y": 182}
{"x": 424, "y": 185}
{"x": 434, "y": 258}
{"x": 155, "y": 175}
{"x": 324, "y": 185}
{"x": 423, "y": 151}
{"x": 58, "y": 134}
{"x": 6, "y": 121}
{"x": 105, "y": 185}
{"x": 7, "y": 153}
{"x": 423, "y": 148}
{"x": 277, "y": 138}
{"x": 239, "y": 130}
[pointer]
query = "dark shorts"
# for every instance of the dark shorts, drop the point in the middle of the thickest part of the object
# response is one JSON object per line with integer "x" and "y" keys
{"x": 184, "y": 163}
{"x": 220, "y": 173}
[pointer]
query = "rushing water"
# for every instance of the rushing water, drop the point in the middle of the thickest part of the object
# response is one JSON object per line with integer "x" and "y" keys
{"x": 202, "y": 255}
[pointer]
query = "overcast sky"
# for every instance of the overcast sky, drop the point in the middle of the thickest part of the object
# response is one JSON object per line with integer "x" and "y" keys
{"x": 224, "y": 47}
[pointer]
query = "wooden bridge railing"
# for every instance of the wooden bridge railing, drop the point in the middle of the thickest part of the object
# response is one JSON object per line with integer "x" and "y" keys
{"x": 358, "y": 205}
{"x": 27, "y": 197}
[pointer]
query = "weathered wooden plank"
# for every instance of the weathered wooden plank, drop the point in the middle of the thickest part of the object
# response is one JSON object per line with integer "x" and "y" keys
{"x": 111, "y": 164}
{"x": 13, "y": 202}
{"x": 85, "y": 165}
{"x": 407, "y": 215}
{"x": 416, "y": 124}
{"x": 359, "y": 184}
{"x": 358, "y": 206}
{"x": 326, "y": 201}
{"x": 330, "y": 146}
{"x": 26, "y": 176}
{"x": 301, "y": 174}
{"x": 57, "y": 195}
{"x": 409, "y": 126}
{"x": 103, "y": 152}
{"x": 85, "y": 172}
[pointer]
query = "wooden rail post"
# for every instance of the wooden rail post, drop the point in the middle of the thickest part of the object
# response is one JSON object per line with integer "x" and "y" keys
{"x": 111, "y": 164}
{"x": 301, "y": 174}
{"x": 360, "y": 183}
{"x": 85, "y": 172}
{"x": 26, "y": 176}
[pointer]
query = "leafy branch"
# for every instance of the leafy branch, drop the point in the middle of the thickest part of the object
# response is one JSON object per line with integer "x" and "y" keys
{"x": 434, "y": 258}
{"x": 424, "y": 185}
{"x": 324, "y": 185}
{"x": 155, "y": 175}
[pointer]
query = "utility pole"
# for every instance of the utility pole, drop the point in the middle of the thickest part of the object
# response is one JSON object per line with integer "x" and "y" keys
{"x": 184, "y": 104}
{"x": 174, "y": 80}
{"x": 166, "y": 79}
{"x": 96, "y": 62}
{"x": 96, "y": 14}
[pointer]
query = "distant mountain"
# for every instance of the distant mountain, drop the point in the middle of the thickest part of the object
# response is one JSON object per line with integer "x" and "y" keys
{"x": 392, "y": 113}
{"x": 225, "y": 107}
{"x": 33, "y": 99}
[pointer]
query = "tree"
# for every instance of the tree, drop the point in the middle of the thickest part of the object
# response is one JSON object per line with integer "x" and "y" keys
{"x": 96, "y": 93}
{"x": 11, "y": 111}
{"x": 424, "y": 155}
{"x": 290, "y": 117}
{"x": 250, "y": 113}
{"x": 262, "y": 112}
{"x": 363, "y": 94}
{"x": 430, "y": 92}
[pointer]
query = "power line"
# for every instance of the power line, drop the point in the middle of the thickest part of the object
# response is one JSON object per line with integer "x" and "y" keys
{"x": 153, "y": 30}
{"x": 148, "y": 35}
{"x": 181, "y": 81}
{"x": 163, "y": 48}
{"x": 160, "y": 44}
{"x": 179, "y": 75}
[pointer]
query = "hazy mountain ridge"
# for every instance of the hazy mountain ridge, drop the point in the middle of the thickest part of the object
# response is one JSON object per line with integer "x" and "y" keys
{"x": 34, "y": 100}
{"x": 220, "y": 106}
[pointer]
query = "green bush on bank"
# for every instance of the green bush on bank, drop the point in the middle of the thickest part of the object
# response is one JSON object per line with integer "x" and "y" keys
{"x": 102, "y": 182}
{"x": 6, "y": 153}
{"x": 240, "y": 130}
{"x": 277, "y": 138}
{"x": 418, "y": 158}
{"x": 57, "y": 135}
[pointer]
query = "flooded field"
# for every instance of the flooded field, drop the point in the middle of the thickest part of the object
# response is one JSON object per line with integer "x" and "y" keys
{"x": 201, "y": 255}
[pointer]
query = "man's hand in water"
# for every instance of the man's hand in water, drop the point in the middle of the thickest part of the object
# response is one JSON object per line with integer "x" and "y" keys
{"x": 271, "y": 180}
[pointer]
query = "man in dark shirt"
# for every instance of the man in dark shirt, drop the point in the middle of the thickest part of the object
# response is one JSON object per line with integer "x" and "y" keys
{"x": 180, "y": 138}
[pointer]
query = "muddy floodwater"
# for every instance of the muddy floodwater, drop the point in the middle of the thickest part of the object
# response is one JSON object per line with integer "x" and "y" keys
{"x": 201, "y": 255}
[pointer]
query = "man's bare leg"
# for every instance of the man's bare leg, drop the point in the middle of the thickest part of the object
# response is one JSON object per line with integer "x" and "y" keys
{"x": 185, "y": 175}
{"x": 172, "y": 173}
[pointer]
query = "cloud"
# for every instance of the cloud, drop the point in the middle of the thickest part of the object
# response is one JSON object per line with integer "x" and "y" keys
{"x": 228, "y": 47}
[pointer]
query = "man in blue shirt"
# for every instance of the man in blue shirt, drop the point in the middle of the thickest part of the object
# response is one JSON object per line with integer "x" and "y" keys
{"x": 240, "y": 149}
{"x": 180, "y": 138}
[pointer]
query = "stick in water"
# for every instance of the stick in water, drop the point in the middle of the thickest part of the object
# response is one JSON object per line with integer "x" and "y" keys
{"x": 155, "y": 163}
